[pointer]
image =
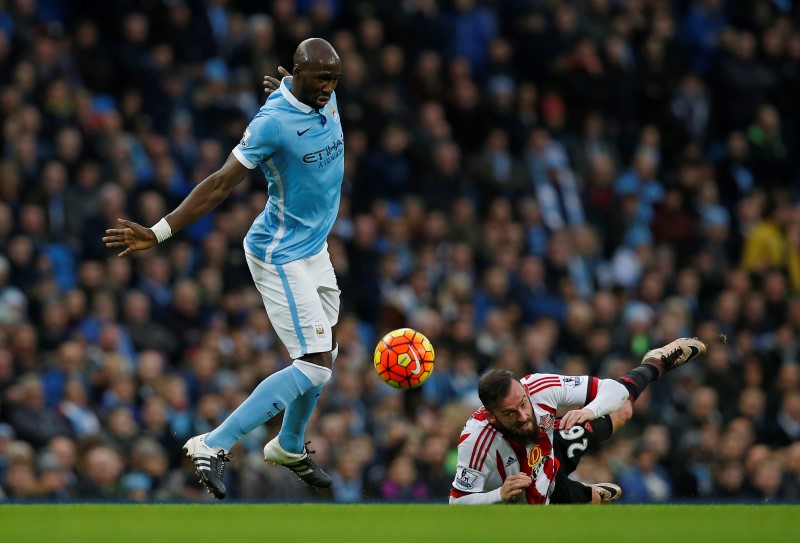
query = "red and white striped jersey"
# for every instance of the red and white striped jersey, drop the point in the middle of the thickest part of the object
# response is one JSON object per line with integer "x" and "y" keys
{"x": 486, "y": 457}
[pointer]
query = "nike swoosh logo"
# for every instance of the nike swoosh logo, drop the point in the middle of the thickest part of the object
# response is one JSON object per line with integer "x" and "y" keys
{"x": 695, "y": 351}
{"x": 415, "y": 356}
{"x": 303, "y": 132}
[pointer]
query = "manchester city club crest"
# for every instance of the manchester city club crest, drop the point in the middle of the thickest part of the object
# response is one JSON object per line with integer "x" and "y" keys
{"x": 333, "y": 112}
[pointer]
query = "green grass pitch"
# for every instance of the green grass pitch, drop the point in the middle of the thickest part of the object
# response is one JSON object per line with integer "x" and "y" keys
{"x": 397, "y": 523}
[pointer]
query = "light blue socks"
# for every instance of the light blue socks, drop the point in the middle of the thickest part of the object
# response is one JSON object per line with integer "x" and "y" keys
{"x": 295, "y": 420}
{"x": 270, "y": 397}
{"x": 296, "y": 417}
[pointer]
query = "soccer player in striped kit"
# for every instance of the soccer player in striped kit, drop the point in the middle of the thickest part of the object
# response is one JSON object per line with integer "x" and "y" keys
{"x": 513, "y": 449}
{"x": 297, "y": 140}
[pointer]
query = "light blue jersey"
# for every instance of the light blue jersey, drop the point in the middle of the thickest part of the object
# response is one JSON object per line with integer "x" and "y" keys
{"x": 301, "y": 152}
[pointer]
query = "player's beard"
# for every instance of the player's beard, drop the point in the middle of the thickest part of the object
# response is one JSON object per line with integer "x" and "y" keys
{"x": 523, "y": 436}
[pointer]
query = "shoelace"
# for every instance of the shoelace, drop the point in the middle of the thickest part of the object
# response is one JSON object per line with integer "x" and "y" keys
{"x": 302, "y": 466}
{"x": 673, "y": 357}
{"x": 223, "y": 459}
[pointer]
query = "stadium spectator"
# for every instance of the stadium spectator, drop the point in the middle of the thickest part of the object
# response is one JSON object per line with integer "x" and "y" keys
{"x": 646, "y": 481}
{"x": 126, "y": 110}
{"x": 31, "y": 419}
{"x": 100, "y": 475}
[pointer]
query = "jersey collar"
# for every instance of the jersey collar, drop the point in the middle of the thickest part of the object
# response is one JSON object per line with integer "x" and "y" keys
{"x": 285, "y": 82}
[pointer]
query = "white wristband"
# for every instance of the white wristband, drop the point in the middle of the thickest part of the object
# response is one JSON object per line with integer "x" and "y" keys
{"x": 162, "y": 230}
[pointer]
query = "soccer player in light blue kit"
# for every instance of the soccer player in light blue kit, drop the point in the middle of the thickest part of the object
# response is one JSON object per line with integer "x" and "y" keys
{"x": 297, "y": 140}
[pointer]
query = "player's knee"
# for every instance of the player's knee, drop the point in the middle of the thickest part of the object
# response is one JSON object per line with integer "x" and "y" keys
{"x": 626, "y": 411}
{"x": 316, "y": 373}
{"x": 621, "y": 416}
{"x": 320, "y": 359}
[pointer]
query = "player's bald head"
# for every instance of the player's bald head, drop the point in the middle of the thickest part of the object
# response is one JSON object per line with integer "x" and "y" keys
{"x": 316, "y": 72}
{"x": 315, "y": 53}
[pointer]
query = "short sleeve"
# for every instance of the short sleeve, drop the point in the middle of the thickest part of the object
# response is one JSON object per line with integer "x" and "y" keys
{"x": 259, "y": 141}
{"x": 560, "y": 390}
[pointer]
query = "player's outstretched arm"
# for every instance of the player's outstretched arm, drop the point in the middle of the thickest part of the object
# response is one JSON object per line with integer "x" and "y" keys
{"x": 611, "y": 395}
{"x": 207, "y": 195}
{"x": 576, "y": 417}
{"x": 271, "y": 84}
{"x": 512, "y": 491}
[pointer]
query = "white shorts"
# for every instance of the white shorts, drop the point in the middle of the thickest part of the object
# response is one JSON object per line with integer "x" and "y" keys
{"x": 302, "y": 300}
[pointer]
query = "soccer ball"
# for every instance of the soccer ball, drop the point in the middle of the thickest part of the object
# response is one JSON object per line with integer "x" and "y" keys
{"x": 404, "y": 358}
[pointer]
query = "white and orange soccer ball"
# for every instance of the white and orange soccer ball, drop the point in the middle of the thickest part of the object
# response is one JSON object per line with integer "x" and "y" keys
{"x": 404, "y": 358}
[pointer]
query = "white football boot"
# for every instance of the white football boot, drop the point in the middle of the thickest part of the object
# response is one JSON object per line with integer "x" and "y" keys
{"x": 300, "y": 463}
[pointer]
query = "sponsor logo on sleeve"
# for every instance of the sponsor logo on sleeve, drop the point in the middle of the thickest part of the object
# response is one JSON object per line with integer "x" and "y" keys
{"x": 466, "y": 478}
{"x": 245, "y": 137}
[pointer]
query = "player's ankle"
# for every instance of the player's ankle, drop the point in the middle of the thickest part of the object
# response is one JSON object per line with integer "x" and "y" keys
{"x": 656, "y": 363}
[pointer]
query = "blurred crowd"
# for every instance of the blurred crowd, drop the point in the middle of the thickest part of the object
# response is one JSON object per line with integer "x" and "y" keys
{"x": 537, "y": 185}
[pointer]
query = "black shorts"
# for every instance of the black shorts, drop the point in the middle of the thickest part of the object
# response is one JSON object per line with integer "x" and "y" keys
{"x": 569, "y": 448}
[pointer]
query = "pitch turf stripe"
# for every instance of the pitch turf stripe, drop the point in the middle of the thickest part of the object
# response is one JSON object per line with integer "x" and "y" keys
{"x": 488, "y": 446}
{"x": 476, "y": 447}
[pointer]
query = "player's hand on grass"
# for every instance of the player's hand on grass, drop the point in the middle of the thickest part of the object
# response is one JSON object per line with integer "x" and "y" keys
{"x": 574, "y": 417}
{"x": 134, "y": 237}
{"x": 271, "y": 84}
{"x": 514, "y": 486}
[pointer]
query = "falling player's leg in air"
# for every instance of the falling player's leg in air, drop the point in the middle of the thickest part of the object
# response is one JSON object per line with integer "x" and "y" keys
{"x": 571, "y": 444}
